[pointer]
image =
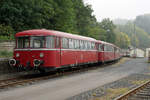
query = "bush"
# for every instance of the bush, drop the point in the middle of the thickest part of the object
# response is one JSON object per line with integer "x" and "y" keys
{"x": 6, "y": 32}
{"x": 5, "y": 54}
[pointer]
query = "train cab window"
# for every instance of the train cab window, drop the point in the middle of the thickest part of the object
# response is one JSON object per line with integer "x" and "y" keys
{"x": 23, "y": 42}
{"x": 50, "y": 42}
{"x": 37, "y": 42}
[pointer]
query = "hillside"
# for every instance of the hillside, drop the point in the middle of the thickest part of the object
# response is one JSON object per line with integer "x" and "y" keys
{"x": 143, "y": 21}
{"x": 137, "y": 32}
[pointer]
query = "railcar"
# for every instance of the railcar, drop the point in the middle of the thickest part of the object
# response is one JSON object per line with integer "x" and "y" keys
{"x": 100, "y": 49}
{"x": 118, "y": 53}
{"x": 107, "y": 52}
{"x": 48, "y": 49}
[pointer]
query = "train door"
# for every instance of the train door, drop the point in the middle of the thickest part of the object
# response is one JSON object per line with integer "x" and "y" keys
{"x": 58, "y": 51}
{"x": 102, "y": 47}
{"x": 65, "y": 57}
{"x": 115, "y": 56}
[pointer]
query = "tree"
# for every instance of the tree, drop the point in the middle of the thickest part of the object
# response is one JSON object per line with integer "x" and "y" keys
{"x": 109, "y": 27}
{"x": 143, "y": 21}
{"x": 139, "y": 38}
{"x": 27, "y": 14}
{"x": 6, "y": 32}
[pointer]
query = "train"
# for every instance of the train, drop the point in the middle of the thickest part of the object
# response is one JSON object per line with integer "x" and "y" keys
{"x": 43, "y": 49}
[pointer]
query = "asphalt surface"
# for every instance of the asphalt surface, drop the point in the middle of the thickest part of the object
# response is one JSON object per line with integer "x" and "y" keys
{"x": 68, "y": 86}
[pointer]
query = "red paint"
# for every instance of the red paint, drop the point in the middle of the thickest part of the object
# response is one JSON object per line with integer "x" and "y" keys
{"x": 57, "y": 57}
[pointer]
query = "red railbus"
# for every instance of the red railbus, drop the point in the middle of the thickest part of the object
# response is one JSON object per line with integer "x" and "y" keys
{"x": 48, "y": 49}
{"x": 107, "y": 52}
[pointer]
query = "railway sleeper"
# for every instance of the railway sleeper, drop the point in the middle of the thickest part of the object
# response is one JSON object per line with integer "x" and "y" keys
{"x": 142, "y": 96}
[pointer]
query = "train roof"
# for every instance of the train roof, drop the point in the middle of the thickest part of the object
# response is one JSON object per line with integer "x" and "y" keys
{"x": 103, "y": 42}
{"x": 45, "y": 32}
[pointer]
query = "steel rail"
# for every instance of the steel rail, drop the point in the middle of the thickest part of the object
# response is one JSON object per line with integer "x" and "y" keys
{"x": 132, "y": 92}
{"x": 21, "y": 81}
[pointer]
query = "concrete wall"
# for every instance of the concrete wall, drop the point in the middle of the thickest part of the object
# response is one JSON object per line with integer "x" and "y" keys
{"x": 5, "y": 68}
{"x": 7, "y": 46}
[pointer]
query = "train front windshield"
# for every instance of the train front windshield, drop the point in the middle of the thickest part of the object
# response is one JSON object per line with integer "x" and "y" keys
{"x": 31, "y": 42}
{"x": 37, "y": 42}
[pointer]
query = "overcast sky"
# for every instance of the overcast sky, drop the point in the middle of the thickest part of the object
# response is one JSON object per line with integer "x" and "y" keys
{"x": 125, "y": 9}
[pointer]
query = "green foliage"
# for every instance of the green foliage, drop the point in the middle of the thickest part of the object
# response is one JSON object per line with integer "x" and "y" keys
{"x": 6, "y": 54}
{"x": 6, "y": 32}
{"x": 27, "y": 14}
{"x": 97, "y": 33}
{"x": 71, "y": 16}
{"x": 122, "y": 39}
{"x": 64, "y": 18}
{"x": 139, "y": 38}
{"x": 109, "y": 27}
{"x": 143, "y": 21}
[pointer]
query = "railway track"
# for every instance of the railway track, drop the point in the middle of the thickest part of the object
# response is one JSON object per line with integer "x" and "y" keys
{"x": 141, "y": 92}
{"x": 29, "y": 79}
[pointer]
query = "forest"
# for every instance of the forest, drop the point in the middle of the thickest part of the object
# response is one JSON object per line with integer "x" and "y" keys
{"x": 138, "y": 30}
{"x": 72, "y": 16}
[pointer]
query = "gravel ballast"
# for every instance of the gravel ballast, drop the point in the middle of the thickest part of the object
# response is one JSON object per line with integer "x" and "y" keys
{"x": 108, "y": 91}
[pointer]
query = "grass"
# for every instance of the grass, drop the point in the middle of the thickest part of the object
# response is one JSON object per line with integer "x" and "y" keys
{"x": 5, "y": 54}
{"x": 139, "y": 82}
{"x": 112, "y": 93}
{"x": 123, "y": 60}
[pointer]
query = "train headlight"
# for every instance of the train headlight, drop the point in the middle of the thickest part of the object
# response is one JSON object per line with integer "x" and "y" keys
{"x": 17, "y": 54}
{"x": 36, "y": 62}
{"x": 41, "y": 55}
{"x": 12, "y": 62}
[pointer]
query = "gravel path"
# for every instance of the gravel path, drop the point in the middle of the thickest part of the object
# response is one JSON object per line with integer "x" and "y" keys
{"x": 83, "y": 86}
{"x": 112, "y": 90}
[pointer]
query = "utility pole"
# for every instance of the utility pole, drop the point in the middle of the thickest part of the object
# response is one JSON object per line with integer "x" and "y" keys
{"x": 135, "y": 41}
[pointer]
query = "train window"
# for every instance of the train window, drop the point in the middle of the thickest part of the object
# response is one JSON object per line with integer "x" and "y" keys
{"x": 50, "y": 42}
{"x": 93, "y": 46}
{"x": 37, "y": 42}
{"x": 19, "y": 43}
{"x": 65, "y": 43}
{"x": 23, "y": 42}
{"x": 85, "y": 44}
{"x": 77, "y": 45}
{"x": 89, "y": 45}
{"x": 100, "y": 47}
{"x": 57, "y": 42}
{"x": 26, "y": 43}
{"x": 105, "y": 48}
{"x": 71, "y": 45}
{"x": 81, "y": 45}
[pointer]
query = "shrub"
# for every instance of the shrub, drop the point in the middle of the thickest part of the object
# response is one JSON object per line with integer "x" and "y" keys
{"x": 5, "y": 54}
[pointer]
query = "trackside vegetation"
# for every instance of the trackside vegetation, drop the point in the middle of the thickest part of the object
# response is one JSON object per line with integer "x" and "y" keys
{"x": 72, "y": 16}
